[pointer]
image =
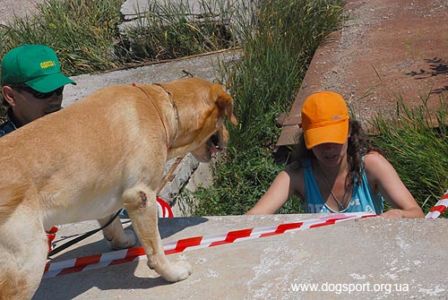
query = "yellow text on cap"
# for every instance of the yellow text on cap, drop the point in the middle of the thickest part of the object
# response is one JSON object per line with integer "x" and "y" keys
{"x": 47, "y": 64}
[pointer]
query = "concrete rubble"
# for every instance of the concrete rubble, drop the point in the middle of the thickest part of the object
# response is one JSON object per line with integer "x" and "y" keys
{"x": 134, "y": 11}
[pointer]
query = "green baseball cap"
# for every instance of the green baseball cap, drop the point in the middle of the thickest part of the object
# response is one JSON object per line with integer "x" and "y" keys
{"x": 36, "y": 66}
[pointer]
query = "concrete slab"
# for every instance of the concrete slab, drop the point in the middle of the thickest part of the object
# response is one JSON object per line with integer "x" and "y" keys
{"x": 229, "y": 13}
{"x": 205, "y": 66}
{"x": 132, "y": 9}
{"x": 9, "y": 9}
{"x": 379, "y": 258}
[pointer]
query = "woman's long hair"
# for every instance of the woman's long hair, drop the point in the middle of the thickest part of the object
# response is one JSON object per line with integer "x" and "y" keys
{"x": 358, "y": 146}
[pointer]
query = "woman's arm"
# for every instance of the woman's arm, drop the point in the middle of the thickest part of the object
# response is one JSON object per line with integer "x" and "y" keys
{"x": 275, "y": 196}
{"x": 383, "y": 177}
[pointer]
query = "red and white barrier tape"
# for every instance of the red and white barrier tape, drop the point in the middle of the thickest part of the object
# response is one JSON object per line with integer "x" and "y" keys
{"x": 53, "y": 269}
{"x": 439, "y": 208}
{"x": 164, "y": 209}
{"x": 74, "y": 265}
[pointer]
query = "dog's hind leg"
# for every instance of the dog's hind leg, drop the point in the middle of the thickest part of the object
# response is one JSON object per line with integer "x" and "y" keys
{"x": 140, "y": 202}
{"x": 115, "y": 235}
{"x": 23, "y": 248}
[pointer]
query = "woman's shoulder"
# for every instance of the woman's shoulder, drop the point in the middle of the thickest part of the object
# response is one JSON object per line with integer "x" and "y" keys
{"x": 373, "y": 158}
{"x": 376, "y": 165}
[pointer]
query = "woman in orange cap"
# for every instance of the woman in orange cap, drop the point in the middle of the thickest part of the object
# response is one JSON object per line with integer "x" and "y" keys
{"x": 335, "y": 170}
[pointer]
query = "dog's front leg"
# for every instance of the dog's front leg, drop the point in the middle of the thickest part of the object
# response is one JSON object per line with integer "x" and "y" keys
{"x": 115, "y": 235}
{"x": 140, "y": 202}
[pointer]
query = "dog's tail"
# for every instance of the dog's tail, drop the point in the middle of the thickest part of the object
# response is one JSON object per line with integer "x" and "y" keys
{"x": 10, "y": 198}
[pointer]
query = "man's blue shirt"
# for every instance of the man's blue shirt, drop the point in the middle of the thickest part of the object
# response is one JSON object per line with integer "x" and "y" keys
{"x": 7, "y": 127}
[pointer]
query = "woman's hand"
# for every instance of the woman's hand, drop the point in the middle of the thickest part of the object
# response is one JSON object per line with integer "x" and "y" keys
{"x": 393, "y": 214}
{"x": 412, "y": 212}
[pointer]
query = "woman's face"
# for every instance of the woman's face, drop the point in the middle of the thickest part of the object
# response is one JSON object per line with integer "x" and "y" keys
{"x": 330, "y": 154}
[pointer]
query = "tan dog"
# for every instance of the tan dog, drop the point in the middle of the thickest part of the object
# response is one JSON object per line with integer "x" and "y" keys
{"x": 85, "y": 162}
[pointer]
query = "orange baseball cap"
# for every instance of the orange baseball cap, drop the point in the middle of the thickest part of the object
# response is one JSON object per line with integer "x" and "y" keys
{"x": 325, "y": 119}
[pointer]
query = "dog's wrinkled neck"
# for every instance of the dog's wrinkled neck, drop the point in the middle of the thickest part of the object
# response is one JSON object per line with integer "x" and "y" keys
{"x": 176, "y": 116}
{"x": 170, "y": 138}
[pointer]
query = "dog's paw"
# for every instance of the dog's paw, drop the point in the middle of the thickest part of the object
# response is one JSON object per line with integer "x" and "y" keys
{"x": 128, "y": 240}
{"x": 177, "y": 271}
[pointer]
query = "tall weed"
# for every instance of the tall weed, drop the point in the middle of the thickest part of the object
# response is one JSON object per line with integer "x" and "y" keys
{"x": 81, "y": 31}
{"x": 416, "y": 143}
{"x": 170, "y": 30}
{"x": 278, "y": 45}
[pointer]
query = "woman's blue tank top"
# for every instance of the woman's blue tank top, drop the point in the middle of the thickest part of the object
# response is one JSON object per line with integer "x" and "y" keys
{"x": 362, "y": 199}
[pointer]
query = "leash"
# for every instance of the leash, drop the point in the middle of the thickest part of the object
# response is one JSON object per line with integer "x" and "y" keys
{"x": 164, "y": 211}
{"x": 81, "y": 237}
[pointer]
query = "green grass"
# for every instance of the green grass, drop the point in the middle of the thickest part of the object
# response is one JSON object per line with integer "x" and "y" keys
{"x": 237, "y": 186}
{"x": 173, "y": 30}
{"x": 86, "y": 37}
{"x": 416, "y": 143}
{"x": 277, "y": 48}
{"x": 82, "y": 32}
{"x": 275, "y": 60}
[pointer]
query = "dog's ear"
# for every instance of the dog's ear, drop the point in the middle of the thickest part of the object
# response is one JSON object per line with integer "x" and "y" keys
{"x": 224, "y": 102}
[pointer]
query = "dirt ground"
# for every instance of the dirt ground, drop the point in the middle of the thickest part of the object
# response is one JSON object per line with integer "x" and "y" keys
{"x": 386, "y": 50}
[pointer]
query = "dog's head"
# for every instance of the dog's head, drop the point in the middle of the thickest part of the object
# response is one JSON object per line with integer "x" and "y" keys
{"x": 202, "y": 108}
{"x": 216, "y": 136}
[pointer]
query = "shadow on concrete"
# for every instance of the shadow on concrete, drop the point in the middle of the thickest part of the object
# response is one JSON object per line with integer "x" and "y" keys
{"x": 119, "y": 277}
{"x": 167, "y": 227}
{"x": 111, "y": 277}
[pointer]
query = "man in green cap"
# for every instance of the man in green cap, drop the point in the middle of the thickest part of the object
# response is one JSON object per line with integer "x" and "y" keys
{"x": 32, "y": 84}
